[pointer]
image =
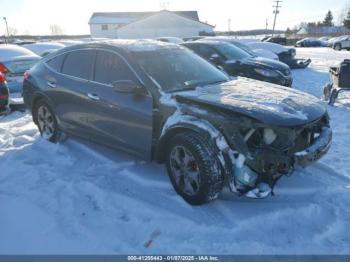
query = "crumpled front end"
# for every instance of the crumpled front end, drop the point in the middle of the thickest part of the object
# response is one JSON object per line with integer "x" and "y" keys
{"x": 263, "y": 154}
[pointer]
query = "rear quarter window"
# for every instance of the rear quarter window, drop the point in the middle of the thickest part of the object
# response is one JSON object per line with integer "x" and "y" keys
{"x": 79, "y": 63}
{"x": 56, "y": 62}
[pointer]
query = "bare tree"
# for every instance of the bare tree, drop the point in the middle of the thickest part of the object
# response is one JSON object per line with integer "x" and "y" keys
{"x": 13, "y": 31}
{"x": 26, "y": 32}
{"x": 56, "y": 30}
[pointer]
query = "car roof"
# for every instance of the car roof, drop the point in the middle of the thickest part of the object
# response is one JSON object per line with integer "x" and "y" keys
{"x": 123, "y": 45}
{"x": 137, "y": 45}
{"x": 204, "y": 41}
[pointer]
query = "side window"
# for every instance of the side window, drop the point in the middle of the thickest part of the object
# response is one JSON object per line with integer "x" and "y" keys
{"x": 104, "y": 27}
{"x": 194, "y": 48}
{"x": 206, "y": 51}
{"x": 79, "y": 63}
{"x": 109, "y": 68}
{"x": 56, "y": 62}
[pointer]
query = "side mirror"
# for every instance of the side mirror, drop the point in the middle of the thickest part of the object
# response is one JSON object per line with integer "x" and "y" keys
{"x": 126, "y": 86}
{"x": 215, "y": 58}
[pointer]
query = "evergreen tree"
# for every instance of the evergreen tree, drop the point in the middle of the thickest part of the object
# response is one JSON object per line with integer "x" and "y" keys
{"x": 328, "y": 20}
{"x": 288, "y": 32}
{"x": 346, "y": 21}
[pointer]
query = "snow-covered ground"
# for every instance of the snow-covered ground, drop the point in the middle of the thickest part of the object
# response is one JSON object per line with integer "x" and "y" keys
{"x": 79, "y": 198}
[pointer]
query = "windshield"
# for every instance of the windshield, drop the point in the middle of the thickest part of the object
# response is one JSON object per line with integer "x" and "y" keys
{"x": 231, "y": 52}
{"x": 243, "y": 47}
{"x": 178, "y": 69}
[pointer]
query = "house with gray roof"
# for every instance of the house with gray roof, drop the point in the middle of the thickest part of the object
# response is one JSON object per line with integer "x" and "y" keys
{"x": 134, "y": 25}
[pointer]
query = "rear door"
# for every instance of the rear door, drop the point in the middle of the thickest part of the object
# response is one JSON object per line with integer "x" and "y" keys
{"x": 67, "y": 84}
{"x": 122, "y": 120}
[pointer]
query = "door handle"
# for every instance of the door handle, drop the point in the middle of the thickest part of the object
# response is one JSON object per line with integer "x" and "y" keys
{"x": 51, "y": 84}
{"x": 93, "y": 97}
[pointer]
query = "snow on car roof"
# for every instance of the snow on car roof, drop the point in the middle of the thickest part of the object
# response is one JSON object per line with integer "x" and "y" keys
{"x": 276, "y": 48}
{"x": 9, "y": 52}
{"x": 141, "y": 45}
{"x": 42, "y": 47}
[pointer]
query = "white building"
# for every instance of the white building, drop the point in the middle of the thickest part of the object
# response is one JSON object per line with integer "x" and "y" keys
{"x": 133, "y": 25}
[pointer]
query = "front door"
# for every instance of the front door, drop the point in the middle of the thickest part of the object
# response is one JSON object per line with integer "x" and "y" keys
{"x": 119, "y": 119}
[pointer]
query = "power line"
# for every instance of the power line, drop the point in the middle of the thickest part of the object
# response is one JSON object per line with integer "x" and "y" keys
{"x": 276, "y": 12}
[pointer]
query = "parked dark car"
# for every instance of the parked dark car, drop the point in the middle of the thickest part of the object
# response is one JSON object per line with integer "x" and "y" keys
{"x": 237, "y": 62}
{"x": 162, "y": 102}
{"x": 276, "y": 39}
{"x": 4, "y": 94}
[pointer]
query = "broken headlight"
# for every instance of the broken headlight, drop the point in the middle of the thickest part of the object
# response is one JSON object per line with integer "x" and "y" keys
{"x": 269, "y": 136}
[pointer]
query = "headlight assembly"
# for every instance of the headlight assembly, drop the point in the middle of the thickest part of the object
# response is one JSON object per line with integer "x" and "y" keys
{"x": 269, "y": 136}
{"x": 266, "y": 72}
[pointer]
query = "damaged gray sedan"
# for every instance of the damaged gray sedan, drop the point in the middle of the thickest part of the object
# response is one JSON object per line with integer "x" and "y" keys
{"x": 162, "y": 102}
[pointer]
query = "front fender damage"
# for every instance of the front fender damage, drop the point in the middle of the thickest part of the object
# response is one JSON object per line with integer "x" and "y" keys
{"x": 240, "y": 178}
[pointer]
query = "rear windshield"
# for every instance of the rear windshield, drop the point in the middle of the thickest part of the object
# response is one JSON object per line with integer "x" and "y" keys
{"x": 231, "y": 52}
{"x": 178, "y": 69}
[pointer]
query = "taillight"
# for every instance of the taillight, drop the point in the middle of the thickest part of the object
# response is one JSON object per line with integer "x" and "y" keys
{"x": 26, "y": 75}
{"x": 2, "y": 78}
{"x": 3, "y": 69}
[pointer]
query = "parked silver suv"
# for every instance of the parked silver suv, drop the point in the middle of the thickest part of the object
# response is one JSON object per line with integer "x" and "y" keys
{"x": 342, "y": 43}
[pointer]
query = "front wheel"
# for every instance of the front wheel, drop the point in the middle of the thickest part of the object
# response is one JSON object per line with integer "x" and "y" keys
{"x": 46, "y": 121}
{"x": 337, "y": 47}
{"x": 194, "y": 169}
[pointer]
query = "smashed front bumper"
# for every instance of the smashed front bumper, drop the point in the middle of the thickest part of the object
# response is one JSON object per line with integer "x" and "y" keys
{"x": 259, "y": 188}
{"x": 316, "y": 150}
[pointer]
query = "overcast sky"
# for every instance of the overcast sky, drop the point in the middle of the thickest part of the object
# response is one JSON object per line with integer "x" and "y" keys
{"x": 35, "y": 16}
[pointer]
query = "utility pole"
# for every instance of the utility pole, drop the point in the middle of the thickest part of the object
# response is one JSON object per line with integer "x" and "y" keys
{"x": 267, "y": 24}
{"x": 7, "y": 29}
{"x": 276, "y": 12}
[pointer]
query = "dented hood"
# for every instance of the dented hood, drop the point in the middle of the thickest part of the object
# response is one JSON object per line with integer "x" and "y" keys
{"x": 268, "y": 103}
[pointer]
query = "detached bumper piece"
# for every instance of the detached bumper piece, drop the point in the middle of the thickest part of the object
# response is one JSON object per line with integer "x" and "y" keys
{"x": 299, "y": 63}
{"x": 316, "y": 150}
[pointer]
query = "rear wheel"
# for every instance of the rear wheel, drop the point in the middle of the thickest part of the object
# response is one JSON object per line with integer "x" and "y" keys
{"x": 194, "y": 169}
{"x": 46, "y": 121}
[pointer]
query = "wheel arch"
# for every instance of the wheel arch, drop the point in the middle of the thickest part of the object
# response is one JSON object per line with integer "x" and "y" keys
{"x": 169, "y": 134}
{"x": 36, "y": 98}
{"x": 191, "y": 124}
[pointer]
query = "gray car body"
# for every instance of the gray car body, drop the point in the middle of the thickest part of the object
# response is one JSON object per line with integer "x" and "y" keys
{"x": 136, "y": 122}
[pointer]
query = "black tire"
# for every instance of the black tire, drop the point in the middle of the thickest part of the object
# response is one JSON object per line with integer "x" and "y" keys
{"x": 55, "y": 135}
{"x": 337, "y": 47}
{"x": 211, "y": 178}
{"x": 327, "y": 92}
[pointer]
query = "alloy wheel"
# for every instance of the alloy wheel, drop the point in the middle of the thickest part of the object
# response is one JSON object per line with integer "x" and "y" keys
{"x": 46, "y": 122}
{"x": 185, "y": 170}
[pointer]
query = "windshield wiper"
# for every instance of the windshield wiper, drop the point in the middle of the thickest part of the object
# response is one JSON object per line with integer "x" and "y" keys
{"x": 193, "y": 84}
{"x": 196, "y": 83}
